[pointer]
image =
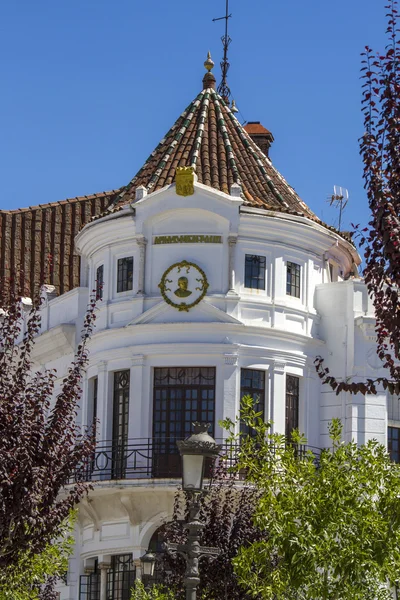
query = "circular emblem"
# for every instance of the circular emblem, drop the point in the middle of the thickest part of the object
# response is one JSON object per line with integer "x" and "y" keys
{"x": 183, "y": 285}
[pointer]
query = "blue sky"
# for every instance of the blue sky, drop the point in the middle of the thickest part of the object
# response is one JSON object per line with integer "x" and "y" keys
{"x": 89, "y": 87}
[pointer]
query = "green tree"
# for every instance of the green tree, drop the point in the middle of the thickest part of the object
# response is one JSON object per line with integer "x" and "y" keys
{"x": 154, "y": 593}
{"x": 332, "y": 521}
{"x": 33, "y": 576}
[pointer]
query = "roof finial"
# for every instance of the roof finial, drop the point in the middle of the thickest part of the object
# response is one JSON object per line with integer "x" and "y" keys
{"x": 223, "y": 88}
{"x": 209, "y": 63}
{"x": 209, "y": 79}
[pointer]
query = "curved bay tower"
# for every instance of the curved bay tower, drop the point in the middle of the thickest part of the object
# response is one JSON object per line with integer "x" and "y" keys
{"x": 216, "y": 280}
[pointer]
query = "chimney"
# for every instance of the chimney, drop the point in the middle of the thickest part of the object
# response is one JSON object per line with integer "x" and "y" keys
{"x": 260, "y": 136}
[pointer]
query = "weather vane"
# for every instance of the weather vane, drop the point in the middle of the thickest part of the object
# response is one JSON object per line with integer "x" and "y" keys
{"x": 223, "y": 88}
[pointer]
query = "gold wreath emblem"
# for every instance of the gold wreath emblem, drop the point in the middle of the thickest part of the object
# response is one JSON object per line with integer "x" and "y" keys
{"x": 183, "y": 290}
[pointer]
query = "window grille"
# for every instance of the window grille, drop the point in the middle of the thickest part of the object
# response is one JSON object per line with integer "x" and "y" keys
{"x": 394, "y": 443}
{"x": 120, "y": 577}
{"x": 99, "y": 282}
{"x": 182, "y": 395}
{"x": 89, "y": 585}
{"x": 125, "y": 274}
{"x": 120, "y": 423}
{"x": 252, "y": 383}
{"x": 254, "y": 272}
{"x": 292, "y": 404}
{"x": 293, "y": 279}
{"x": 94, "y": 399}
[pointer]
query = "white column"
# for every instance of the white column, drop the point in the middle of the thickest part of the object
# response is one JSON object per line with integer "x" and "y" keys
{"x": 141, "y": 242}
{"x": 136, "y": 398}
{"x": 102, "y": 397}
{"x": 232, "y": 239}
{"x": 104, "y": 565}
{"x": 229, "y": 404}
{"x": 278, "y": 401}
{"x": 138, "y": 568}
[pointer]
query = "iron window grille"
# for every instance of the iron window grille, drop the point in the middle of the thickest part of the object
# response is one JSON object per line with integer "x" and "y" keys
{"x": 252, "y": 383}
{"x": 292, "y": 404}
{"x": 254, "y": 272}
{"x": 89, "y": 585}
{"x": 394, "y": 443}
{"x": 293, "y": 279}
{"x": 120, "y": 577}
{"x": 120, "y": 423}
{"x": 182, "y": 395}
{"x": 125, "y": 274}
{"x": 99, "y": 282}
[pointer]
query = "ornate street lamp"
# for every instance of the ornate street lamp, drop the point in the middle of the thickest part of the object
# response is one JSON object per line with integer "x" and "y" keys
{"x": 148, "y": 562}
{"x": 194, "y": 451}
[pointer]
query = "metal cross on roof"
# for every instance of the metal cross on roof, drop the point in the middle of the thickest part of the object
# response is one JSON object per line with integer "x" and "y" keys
{"x": 223, "y": 88}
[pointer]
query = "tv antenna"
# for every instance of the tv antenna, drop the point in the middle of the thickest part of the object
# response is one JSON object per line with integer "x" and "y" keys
{"x": 223, "y": 88}
{"x": 339, "y": 199}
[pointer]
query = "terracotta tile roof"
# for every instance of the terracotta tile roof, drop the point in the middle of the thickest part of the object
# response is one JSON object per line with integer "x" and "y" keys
{"x": 255, "y": 128}
{"x": 37, "y": 243}
{"x": 208, "y": 137}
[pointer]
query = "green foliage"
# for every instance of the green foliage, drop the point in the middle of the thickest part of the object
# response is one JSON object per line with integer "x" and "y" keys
{"x": 24, "y": 580}
{"x": 332, "y": 521}
{"x": 154, "y": 593}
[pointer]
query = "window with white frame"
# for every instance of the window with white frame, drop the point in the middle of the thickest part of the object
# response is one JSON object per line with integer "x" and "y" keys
{"x": 292, "y": 404}
{"x": 99, "y": 282}
{"x": 254, "y": 272}
{"x": 394, "y": 428}
{"x": 125, "y": 274}
{"x": 252, "y": 383}
{"x": 293, "y": 271}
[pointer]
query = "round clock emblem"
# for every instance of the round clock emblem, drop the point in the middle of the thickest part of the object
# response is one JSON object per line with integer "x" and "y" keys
{"x": 183, "y": 285}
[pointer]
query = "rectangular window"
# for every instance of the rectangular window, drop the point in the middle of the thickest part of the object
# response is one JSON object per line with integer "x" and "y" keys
{"x": 99, "y": 282}
{"x": 252, "y": 383}
{"x": 182, "y": 395}
{"x": 125, "y": 274}
{"x": 293, "y": 279}
{"x": 394, "y": 443}
{"x": 120, "y": 423}
{"x": 292, "y": 404}
{"x": 120, "y": 577}
{"x": 254, "y": 272}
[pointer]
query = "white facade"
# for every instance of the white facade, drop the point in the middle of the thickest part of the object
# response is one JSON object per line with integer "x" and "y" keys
{"x": 234, "y": 327}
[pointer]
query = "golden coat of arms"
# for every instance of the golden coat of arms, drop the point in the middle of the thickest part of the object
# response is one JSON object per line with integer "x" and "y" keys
{"x": 184, "y": 181}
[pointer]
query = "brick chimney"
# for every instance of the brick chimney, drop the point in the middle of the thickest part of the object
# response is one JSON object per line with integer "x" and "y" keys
{"x": 260, "y": 136}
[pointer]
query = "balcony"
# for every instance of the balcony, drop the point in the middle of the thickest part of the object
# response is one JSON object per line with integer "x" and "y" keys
{"x": 151, "y": 458}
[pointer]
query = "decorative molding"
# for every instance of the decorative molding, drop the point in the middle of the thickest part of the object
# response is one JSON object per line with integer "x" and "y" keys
{"x": 367, "y": 326}
{"x": 138, "y": 360}
{"x": 102, "y": 366}
{"x": 279, "y": 366}
{"x": 231, "y": 359}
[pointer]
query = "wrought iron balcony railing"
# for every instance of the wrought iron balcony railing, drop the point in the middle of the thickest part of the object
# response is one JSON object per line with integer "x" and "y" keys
{"x": 150, "y": 458}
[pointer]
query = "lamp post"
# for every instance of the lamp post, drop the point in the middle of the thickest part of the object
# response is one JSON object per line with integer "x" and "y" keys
{"x": 148, "y": 563}
{"x": 194, "y": 451}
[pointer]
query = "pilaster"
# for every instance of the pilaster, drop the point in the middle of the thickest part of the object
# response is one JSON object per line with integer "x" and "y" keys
{"x": 230, "y": 405}
{"x": 136, "y": 404}
{"x": 278, "y": 404}
{"x": 141, "y": 242}
{"x": 232, "y": 240}
{"x": 102, "y": 400}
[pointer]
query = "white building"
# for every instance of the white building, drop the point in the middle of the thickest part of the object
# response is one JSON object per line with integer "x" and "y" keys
{"x": 216, "y": 280}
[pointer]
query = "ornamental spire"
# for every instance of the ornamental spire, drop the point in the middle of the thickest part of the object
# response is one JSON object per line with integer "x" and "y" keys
{"x": 209, "y": 79}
